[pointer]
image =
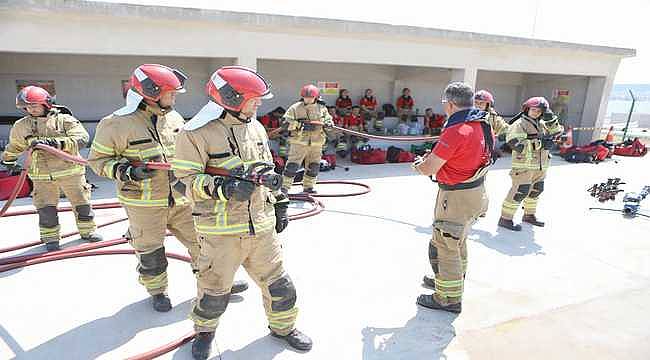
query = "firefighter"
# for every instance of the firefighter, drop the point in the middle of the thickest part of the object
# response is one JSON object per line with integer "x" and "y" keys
{"x": 459, "y": 161}
{"x": 484, "y": 100}
{"x": 238, "y": 221}
{"x": 305, "y": 121}
{"x": 145, "y": 131}
{"x": 531, "y": 138}
{"x": 55, "y": 126}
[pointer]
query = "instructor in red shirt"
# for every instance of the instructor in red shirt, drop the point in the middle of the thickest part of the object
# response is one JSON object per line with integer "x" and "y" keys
{"x": 459, "y": 161}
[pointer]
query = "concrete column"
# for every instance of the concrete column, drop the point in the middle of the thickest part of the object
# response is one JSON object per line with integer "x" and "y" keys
{"x": 248, "y": 61}
{"x": 595, "y": 108}
{"x": 467, "y": 75}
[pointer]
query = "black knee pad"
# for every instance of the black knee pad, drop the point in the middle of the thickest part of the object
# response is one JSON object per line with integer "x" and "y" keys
{"x": 283, "y": 290}
{"x": 522, "y": 192}
{"x": 291, "y": 169}
{"x": 313, "y": 169}
{"x": 153, "y": 263}
{"x": 433, "y": 257}
{"x": 48, "y": 217}
{"x": 84, "y": 213}
{"x": 211, "y": 306}
{"x": 538, "y": 188}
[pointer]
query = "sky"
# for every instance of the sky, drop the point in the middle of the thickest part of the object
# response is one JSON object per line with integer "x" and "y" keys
{"x": 620, "y": 23}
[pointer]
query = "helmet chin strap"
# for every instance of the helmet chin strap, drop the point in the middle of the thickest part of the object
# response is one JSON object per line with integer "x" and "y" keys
{"x": 238, "y": 115}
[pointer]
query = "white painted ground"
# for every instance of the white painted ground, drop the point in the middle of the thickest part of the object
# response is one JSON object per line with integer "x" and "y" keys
{"x": 579, "y": 288}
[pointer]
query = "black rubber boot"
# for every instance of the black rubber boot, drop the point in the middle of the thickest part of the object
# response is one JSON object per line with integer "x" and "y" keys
{"x": 508, "y": 224}
{"x": 532, "y": 219}
{"x": 238, "y": 286}
{"x": 296, "y": 340}
{"x": 202, "y": 345}
{"x": 429, "y": 281}
{"x": 429, "y": 302}
{"x": 52, "y": 246}
{"x": 94, "y": 237}
{"x": 161, "y": 303}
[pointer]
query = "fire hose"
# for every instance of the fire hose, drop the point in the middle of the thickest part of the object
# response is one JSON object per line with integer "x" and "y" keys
{"x": 90, "y": 249}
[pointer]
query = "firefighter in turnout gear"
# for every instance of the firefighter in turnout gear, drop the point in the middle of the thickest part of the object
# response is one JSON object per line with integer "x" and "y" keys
{"x": 484, "y": 100}
{"x": 55, "y": 126}
{"x": 305, "y": 121}
{"x": 531, "y": 138}
{"x": 143, "y": 131}
{"x": 237, "y": 220}
{"x": 459, "y": 161}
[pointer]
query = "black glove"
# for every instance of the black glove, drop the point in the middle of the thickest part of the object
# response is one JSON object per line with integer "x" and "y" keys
{"x": 11, "y": 166}
{"x": 47, "y": 141}
{"x": 281, "y": 217}
{"x": 518, "y": 146}
{"x": 233, "y": 189}
{"x": 547, "y": 143}
{"x": 135, "y": 173}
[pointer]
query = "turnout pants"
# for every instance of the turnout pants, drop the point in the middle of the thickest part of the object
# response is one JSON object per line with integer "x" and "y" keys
{"x": 147, "y": 228}
{"x": 527, "y": 186}
{"x": 311, "y": 155}
{"x": 455, "y": 212}
{"x": 221, "y": 256}
{"x": 46, "y": 197}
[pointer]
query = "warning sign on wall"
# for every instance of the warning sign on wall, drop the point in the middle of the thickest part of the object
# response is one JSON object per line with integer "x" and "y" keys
{"x": 329, "y": 87}
{"x": 45, "y": 84}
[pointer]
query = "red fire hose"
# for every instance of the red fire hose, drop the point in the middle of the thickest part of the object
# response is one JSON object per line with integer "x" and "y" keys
{"x": 90, "y": 249}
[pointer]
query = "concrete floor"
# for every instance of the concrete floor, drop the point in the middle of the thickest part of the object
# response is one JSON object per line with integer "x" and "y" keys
{"x": 576, "y": 289}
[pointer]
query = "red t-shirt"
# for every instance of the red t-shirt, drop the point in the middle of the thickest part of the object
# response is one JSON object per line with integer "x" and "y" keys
{"x": 352, "y": 120}
{"x": 343, "y": 103}
{"x": 405, "y": 103}
{"x": 338, "y": 121}
{"x": 436, "y": 121}
{"x": 463, "y": 146}
{"x": 368, "y": 103}
{"x": 270, "y": 122}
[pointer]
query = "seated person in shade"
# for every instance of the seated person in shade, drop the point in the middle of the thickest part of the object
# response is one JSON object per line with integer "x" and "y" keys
{"x": 271, "y": 121}
{"x": 343, "y": 103}
{"x": 433, "y": 123}
{"x": 405, "y": 105}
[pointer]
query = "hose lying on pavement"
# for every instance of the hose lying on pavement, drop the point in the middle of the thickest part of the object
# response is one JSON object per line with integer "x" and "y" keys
{"x": 91, "y": 249}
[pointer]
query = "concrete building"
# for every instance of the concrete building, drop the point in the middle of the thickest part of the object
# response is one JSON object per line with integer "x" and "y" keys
{"x": 88, "y": 48}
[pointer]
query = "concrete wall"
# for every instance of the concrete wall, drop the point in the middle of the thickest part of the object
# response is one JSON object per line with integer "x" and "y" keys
{"x": 506, "y": 88}
{"x": 91, "y": 84}
{"x": 544, "y": 84}
{"x": 287, "y": 77}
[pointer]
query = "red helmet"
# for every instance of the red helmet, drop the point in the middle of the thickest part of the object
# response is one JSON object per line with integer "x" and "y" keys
{"x": 484, "y": 95}
{"x": 33, "y": 95}
{"x": 151, "y": 80}
{"x": 232, "y": 86}
{"x": 309, "y": 91}
{"x": 536, "y": 102}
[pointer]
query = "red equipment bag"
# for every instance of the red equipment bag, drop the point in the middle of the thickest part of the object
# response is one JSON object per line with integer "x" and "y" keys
{"x": 405, "y": 156}
{"x": 8, "y": 182}
{"x": 631, "y": 148}
{"x": 331, "y": 159}
{"x": 367, "y": 155}
{"x": 596, "y": 153}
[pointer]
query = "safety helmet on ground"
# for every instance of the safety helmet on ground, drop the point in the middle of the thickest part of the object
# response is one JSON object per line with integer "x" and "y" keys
{"x": 309, "y": 91}
{"x": 535, "y": 102}
{"x": 33, "y": 95}
{"x": 484, "y": 95}
{"x": 232, "y": 86}
{"x": 151, "y": 80}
